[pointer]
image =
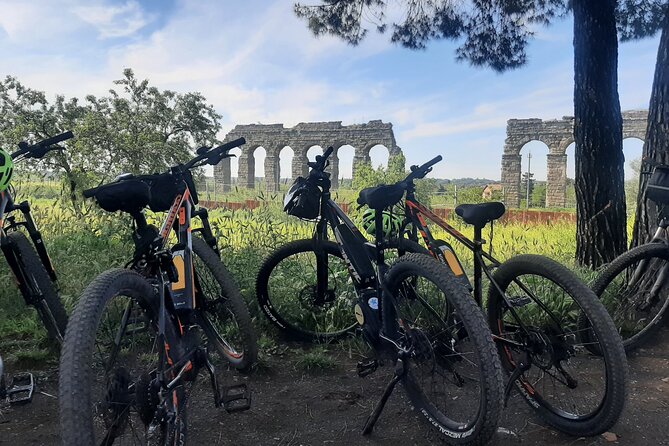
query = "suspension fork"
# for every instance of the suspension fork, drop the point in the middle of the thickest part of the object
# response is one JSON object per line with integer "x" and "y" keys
{"x": 36, "y": 237}
{"x": 322, "y": 266}
{"x": 207, "y": 233}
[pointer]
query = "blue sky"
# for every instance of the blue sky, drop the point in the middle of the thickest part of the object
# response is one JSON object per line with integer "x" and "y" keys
{"x": 257, "y": 63}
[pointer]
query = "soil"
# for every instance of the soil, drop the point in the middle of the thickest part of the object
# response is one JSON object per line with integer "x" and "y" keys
{"x": 293, "y": 406}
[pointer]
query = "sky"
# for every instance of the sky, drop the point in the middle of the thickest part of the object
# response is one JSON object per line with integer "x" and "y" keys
{"x": 257, "y": 63}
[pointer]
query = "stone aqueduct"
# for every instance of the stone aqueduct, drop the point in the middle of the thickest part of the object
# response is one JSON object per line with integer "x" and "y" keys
{"x": 274, "y": 137}
{"x": 557, "y": 134}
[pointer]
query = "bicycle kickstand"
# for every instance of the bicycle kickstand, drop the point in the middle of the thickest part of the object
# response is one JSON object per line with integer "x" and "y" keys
{"x": 374, "y": 416}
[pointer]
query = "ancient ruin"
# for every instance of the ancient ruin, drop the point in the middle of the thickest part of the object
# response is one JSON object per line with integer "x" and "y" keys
{"x": 274, "y": 137}
{"x": 557, "y": 134}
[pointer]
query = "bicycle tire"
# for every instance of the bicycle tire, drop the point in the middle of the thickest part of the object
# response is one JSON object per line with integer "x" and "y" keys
{"x": 76, "y": 374}
{"x": 611, "y": 407}
{"x": 480, "y": 430}
{"x": 618, "y": 266}
{"x": 50, "y": 308}
{"x": 233, "y": 303}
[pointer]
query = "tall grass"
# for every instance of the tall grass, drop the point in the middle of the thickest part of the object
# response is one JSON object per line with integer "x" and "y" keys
{"x": 83, "y": 247}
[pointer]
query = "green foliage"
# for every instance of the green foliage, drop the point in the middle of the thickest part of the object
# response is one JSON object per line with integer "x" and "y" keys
{"x": 137, "y": 128}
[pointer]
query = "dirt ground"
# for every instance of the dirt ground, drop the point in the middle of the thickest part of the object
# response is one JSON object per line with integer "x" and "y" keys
{"x": 294, "y": 407}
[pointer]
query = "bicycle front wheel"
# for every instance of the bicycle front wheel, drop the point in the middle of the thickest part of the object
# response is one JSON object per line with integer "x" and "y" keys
{"x": 223, "y": 315}
{"x": 453, "y": 373}
{"x": 108, "y": 389}
{"x": 288, "y": 291}
{"x": 49, "y": 306}
{"x": 536, "y": 307}
{"x": 634, "y": 288}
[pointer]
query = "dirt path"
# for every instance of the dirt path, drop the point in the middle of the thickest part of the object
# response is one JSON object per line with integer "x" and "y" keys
{"x": 292, "y": 406}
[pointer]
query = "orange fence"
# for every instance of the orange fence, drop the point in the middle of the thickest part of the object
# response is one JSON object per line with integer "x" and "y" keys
{"x": 511, "y": 215}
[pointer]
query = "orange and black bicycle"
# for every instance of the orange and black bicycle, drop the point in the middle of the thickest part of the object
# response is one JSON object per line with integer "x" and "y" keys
{"x": 537, "y": 310}
{"x": 139, "y": 336}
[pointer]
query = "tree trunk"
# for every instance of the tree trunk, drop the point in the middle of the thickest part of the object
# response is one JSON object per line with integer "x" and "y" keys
{"x": 656, "y": 145}
{"x": 600, "y": 191}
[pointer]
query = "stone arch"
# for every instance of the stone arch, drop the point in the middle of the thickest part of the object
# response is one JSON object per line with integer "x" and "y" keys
{"x": 259, "y": 156}
{"x": 378, "y": 152}
{"x": 345, "y": 158}
{"x": 286, "y": 157}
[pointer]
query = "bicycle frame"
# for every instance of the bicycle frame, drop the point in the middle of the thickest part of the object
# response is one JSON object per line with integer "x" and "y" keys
{"x": 334, "y": 216}
{"x": 416, "y": 213}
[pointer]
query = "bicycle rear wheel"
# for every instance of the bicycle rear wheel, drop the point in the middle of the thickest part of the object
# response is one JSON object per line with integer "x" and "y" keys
{"x": 537, "y": 322}
{"x": 634, "y": 288}
{"x": 108, "y": 391}
{"x": 453, "y": 373}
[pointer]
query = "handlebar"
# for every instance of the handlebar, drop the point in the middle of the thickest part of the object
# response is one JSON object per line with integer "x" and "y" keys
{"x": 321, "y": 160}
{"x": 418, "y": 172}
{"x": 214, "y": 156}
{"x": 41, "y": 148}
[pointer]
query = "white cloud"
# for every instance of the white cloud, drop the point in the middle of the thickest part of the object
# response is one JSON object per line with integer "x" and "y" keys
{"x": 114, "y": 20}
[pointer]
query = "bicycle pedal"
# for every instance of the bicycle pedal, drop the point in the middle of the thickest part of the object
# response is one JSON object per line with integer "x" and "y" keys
{"x": 236, "y": 398}
{"x": 367, "y": 367}
{"x": 22, "y": 389}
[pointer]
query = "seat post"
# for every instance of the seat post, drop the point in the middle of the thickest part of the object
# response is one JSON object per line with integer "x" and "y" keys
{"x": 478, "y": 272}
{"x": 140, "y": 220}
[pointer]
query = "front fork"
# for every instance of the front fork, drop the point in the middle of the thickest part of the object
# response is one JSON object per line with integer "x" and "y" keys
{"x": 35, "y": 236}
{"x": 205, "y": 230}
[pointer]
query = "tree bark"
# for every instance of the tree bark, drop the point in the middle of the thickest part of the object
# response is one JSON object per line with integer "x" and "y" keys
{"x": 656, "y": 144}
{"x": 600, "y": 192}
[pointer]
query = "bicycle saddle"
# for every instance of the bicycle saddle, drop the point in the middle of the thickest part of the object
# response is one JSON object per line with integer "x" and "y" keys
{"x": 381, "y": 197}
{"x": 480, "y": 214}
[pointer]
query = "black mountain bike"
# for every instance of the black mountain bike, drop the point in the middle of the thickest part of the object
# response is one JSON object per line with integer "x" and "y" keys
{"x": 635, "y": 286}
{"x": 28, "y": 259}
{"x": 544, "y": 320}
{"x": 139, "y": 336}
{"x": 413, "y": 313}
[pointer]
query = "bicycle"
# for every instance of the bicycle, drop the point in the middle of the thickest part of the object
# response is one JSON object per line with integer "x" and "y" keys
{"x": 544, "y": 320}
{"x": 139, "y": 335}
{"x": 28, "y": 259}
{"x": 413, "y": 313}
{"x": 634, "y": 286}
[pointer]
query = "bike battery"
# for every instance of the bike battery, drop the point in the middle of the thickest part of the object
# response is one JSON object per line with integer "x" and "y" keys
{"x": 451, "y": 260}
{"x": 355, "y": 254}
{"x": 183, "y": 296}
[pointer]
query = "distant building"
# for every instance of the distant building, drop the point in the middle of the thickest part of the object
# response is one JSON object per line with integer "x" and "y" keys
{"x": 490, "y": 189}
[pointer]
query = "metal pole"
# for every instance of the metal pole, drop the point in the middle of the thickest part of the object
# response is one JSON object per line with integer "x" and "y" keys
{"x": 527, "y": 191}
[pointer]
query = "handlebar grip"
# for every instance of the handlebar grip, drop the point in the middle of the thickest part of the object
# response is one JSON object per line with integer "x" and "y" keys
{"x": 432, "y": 162}
{"x": 55, "y": 139}
{"x": 230, "y": 145}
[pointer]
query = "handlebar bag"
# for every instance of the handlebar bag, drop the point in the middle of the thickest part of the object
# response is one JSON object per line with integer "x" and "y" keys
{"x": 166, "y": 187}
{"x": 127, "y": 196}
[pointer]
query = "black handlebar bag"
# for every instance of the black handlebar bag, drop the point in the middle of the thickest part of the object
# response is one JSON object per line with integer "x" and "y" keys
{"x": 166, "y": 187}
